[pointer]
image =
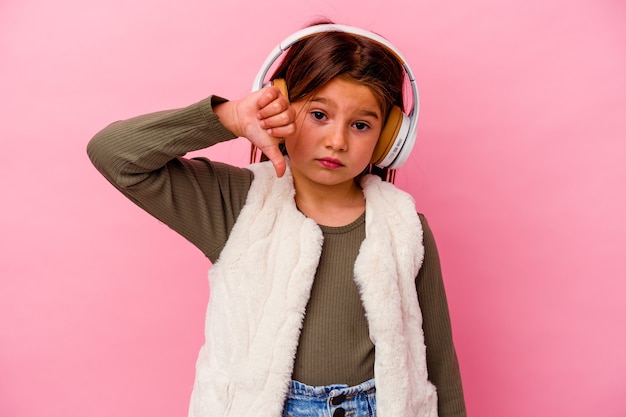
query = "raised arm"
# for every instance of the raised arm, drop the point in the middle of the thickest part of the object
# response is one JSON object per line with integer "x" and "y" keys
{"x": 143, "y": 158}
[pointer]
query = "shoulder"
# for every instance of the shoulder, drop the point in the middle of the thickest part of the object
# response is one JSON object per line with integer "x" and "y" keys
{"x": 428, "y": 240}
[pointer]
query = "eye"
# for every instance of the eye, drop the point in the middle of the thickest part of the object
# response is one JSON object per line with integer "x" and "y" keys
{"x": 361, "y": 126}
{"x": 318, "y": 115}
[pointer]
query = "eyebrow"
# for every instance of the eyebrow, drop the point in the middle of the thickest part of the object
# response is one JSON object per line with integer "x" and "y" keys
{"x": 326, "y": 101}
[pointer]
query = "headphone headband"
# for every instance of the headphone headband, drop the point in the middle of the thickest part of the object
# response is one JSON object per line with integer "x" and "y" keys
{"x": 400, "y": 151}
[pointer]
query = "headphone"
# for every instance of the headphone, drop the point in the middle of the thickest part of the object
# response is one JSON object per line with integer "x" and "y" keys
{"x": 397, "y": 137}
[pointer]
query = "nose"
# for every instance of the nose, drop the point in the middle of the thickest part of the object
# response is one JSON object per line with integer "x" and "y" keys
{"x": 336, "y": 139}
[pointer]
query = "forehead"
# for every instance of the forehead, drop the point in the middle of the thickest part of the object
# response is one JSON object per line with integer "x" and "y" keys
{"x": 344, "y": 93}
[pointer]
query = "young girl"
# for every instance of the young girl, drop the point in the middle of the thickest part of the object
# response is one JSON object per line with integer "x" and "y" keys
{"x": 326, "y": 291}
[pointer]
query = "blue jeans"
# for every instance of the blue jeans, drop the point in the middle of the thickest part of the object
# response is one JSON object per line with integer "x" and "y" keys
{"x": 331, "y": 401}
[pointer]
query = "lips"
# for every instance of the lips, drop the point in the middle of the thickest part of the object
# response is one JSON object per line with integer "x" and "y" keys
{"x": 330, "y": 163}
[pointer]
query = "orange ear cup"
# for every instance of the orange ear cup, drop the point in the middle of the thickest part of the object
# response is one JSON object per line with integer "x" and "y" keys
{"x": 281, "y": 85}
{"x": 388, "y": 135}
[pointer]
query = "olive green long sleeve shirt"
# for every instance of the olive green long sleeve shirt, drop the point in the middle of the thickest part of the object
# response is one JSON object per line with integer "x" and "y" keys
{"x": 143, "y": 157}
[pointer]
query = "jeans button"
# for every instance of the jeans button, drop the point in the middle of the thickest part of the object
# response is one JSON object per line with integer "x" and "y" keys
{"x": 338, "y": 399}
{"x": 340, "y": 412}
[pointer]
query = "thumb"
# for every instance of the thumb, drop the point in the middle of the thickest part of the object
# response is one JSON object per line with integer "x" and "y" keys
{"x": 277, "y": 159}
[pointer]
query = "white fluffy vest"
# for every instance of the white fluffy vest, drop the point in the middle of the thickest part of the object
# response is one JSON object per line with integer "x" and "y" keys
{"x": 260, "y": 287}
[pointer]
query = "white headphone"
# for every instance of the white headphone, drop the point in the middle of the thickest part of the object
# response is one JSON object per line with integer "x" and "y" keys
{"x": 398, "y": 135}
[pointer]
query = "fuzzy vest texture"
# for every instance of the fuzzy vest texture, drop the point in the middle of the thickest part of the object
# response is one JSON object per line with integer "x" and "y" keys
{"x": 260, "y": 287}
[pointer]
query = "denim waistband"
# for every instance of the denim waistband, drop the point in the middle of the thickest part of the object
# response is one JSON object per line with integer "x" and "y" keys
{"x": 333, "y": 390}
{"x": 338, "y": 400}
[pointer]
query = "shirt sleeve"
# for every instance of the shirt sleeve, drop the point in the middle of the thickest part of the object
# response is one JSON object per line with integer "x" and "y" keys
{"x": 441, "y": 358}
{"x": 144, "y": 158}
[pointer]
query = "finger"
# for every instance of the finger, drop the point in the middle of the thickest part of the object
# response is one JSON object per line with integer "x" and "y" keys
{"x": 268, "y": 95}
{"x": 276, "y": 113}
{"x": 278, "y": 120}
{"x": 282, "y": 131}
{"x": 273, "y": 107}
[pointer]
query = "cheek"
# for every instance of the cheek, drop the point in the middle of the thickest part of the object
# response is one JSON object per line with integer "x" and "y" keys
{"x": 293, "y": 143}
{"x": 297, "y": 140}
{"x": 374, "y": 140}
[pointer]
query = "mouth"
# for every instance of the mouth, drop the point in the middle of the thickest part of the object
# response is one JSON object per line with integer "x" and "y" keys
{"x": 330, "y": 163}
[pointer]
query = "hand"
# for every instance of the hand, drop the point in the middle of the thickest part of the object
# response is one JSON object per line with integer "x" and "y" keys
{"x": 264, "y": 117}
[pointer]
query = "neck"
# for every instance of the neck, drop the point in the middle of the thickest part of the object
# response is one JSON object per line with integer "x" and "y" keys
{"x": 336, "y": 205}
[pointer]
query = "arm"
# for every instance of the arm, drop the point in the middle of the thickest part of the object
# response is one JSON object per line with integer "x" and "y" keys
{"x": 443, "y": 366}
{"x": 143, "y": 158}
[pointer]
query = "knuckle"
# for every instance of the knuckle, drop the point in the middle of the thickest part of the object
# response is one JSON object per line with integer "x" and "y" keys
{"x": 290, "y": 128}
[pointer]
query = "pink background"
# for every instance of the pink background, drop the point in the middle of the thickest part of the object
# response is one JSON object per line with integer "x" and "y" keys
{"x": 519, "y": 168}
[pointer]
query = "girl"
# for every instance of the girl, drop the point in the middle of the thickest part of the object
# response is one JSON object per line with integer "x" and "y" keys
{"x": 326, "y": 292}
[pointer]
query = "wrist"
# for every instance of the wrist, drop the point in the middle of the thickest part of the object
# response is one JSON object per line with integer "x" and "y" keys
{"x": 226, "y": 113}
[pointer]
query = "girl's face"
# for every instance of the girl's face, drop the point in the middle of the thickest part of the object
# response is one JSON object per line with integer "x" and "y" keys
{"x": 337, "y": 130}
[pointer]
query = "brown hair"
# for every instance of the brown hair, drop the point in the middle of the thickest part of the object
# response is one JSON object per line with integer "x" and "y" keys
{"x": 312, "y": 62}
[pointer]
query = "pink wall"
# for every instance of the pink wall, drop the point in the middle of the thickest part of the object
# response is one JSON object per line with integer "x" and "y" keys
{"x": 519, "y": 167}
